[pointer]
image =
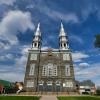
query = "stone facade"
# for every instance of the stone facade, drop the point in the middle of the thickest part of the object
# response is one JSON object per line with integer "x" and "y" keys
{"x": 49, "y": 70}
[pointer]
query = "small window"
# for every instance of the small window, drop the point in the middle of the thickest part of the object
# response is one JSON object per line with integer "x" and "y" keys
{"x": 35, "y": 44}
{"x": 64, "y": 44}
{"x": 32, "y": 69}
{"x": 67, "y": 70}
{"x": 30, "y": 84}
{"x": 61, "y": 45}
{"x": 39, "y": 45}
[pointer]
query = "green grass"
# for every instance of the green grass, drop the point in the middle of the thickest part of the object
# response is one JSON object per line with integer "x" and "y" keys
{"x": 78, "y": 98}
{"x": 19, "y": 98}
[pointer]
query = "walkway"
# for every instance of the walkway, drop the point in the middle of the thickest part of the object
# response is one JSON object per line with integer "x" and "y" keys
{"x": 47, "y": 97}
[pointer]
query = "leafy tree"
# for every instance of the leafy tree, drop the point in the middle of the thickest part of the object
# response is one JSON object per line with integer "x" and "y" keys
{"x": 97, "y": 41}
{"x": 98, "y": 90}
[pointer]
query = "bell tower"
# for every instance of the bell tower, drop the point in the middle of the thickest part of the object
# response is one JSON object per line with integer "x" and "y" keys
{"x": 36, "y": 43}
{"x": 63, "y": 39}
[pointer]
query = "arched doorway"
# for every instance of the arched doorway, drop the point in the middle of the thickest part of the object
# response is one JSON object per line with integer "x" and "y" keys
{"x": 49, "y": 86}
{"x": 58, "y": 86}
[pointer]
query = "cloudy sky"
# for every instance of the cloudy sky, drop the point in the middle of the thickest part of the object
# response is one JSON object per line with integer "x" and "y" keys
{"x": 19, "y": 18}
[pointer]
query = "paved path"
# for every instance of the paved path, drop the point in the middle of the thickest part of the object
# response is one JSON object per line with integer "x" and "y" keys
{"x": 48, "y": 97}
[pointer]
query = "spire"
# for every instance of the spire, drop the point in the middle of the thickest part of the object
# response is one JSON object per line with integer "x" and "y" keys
{"x": 38, "y": 33}
{"x": 63, "y": 39}
{"x": 62, "y": 32}
{"x": 62, "y": 28}
{"x": 36, "y": 44}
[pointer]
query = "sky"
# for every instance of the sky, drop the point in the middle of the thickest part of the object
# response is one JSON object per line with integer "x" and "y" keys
{"x": 18, "y": 22}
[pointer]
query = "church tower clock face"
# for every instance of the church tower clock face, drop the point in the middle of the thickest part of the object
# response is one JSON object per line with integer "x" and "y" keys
{"x": 33, "y": 57}
{"x": 66, "y": 57}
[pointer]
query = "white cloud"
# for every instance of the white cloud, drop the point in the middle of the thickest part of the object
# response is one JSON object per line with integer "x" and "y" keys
{"x": 78, "y": 56}
{"x": 4, "y": 46}
{"x": 13, "y": 23}
{"x": 90, "y": 8}
{"x": 70, "y": 17}
{"x": 21, "y": 61}
{"x": 12, "y": 73}
{"x": 31, "y": 6}
{"x": 6, "y": 57}
{"x": 7, "y": 2}
{"x": 25, "y": 48}
{"x": 12, "y": 76}
{"x": 77, "y": 39}
{"x": 84, "y": 65}
{"x": 45, "y": 48}
{"x": 16, "y": 71}
{"x": 92, "y": 72}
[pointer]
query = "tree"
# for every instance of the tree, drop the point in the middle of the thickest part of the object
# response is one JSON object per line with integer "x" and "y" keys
{"x": 98, "y": 90}
{"x": 97, "y": 41}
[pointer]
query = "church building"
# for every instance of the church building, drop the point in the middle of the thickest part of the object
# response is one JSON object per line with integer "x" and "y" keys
{"x": 49, "y": 70}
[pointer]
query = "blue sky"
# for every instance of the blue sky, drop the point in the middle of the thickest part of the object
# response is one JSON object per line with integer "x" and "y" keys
{"x": 19, "y": 18}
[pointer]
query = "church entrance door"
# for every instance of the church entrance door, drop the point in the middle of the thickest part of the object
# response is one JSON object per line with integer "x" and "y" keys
{"x": 41, "y": 88}
{"x": 58, "y": 88}
{"x": 49, "y": 88}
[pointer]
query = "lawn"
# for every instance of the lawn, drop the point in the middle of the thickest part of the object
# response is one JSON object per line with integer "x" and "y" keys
{"x": 78, "y": 98}
{"x": 19, "y": 98}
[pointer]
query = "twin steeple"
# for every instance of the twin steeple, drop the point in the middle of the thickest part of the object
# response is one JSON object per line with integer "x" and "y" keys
{"x": 36, "y": 44}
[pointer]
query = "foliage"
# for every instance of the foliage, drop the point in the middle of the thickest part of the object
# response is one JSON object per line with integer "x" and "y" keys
{"x": 19, "y": 98}
{"x": 97, "y": 41}
{"x": 78, "y": 98}
{"x": 97, "y": 92}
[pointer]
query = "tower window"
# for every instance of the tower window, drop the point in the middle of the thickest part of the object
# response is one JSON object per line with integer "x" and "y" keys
{"x": 61, "y": 45}
{"x": 39, "y": 45}
{"x": 64, "y": 44}
{"x": 35, "y": 44}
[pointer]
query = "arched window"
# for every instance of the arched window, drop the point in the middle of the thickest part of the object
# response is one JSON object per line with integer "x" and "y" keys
{"x": 32, "y": 68}
{"x": 49, "y": 70}
{"x": 64, "y": 44}
{"x": 35, "y": 44}
{"x": 67, "y": 70}
{"x": 58, "y": 82}
{"x": 39, "y": 45}
{"x": 61, "y": 45}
